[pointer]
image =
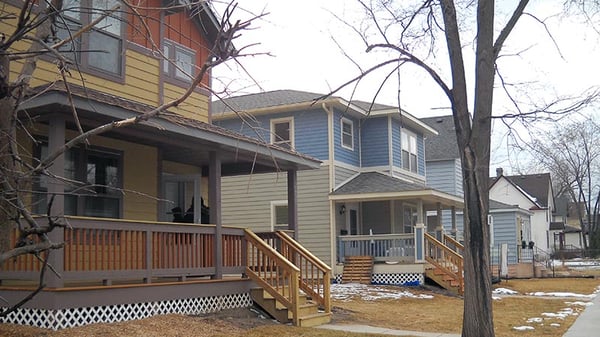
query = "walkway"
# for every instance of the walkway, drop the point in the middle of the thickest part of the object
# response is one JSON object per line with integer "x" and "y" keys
{"x": 587, "y": 324}
{"x": 383, "y": 331}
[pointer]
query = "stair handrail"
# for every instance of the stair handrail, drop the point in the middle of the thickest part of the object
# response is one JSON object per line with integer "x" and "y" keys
{"x": 261, "y": 259}
{"x": 460, "y": 248}
{"x": 319, "y": 287}
{"x": 447, "y": 256}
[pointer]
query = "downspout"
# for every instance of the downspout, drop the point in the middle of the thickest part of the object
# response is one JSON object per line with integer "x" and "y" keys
{"x": 332, "y": 215}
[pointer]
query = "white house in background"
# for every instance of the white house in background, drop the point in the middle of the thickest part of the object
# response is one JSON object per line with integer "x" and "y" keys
{"x": 531, "y": 192}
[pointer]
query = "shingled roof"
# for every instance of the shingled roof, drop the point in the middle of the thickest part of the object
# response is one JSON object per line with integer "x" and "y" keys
{"x": 534, "y": 185}
{"x": 375, "y": 182}
{"x": 444, "y": 145}
{"x": 279, "y": 98}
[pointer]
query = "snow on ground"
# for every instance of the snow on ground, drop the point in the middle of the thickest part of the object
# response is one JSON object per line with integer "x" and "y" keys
{"x": 347, "y": 291}
{"x": 523, "y": 327}
{"x": 562, "y": 314}
{"x": 577, "y": 263}
{"x": 504, "y": 291}
{"x": 583, "y": 304}
{"x": 561, "y": 294}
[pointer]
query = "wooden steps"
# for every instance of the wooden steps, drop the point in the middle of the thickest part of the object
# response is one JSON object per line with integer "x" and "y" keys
{"x": 308, "y": 313}
{"x": 443, "y": 279}
{"x": 357, "y": 269}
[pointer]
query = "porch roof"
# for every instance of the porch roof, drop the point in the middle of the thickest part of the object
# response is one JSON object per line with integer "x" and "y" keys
{"x": 180, "y": 139}
{"x": 373, "y": 186}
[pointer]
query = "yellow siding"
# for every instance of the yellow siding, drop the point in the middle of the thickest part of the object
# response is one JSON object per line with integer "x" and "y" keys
{"x": 195, "y": 107}
{"x": 181, "y": 169}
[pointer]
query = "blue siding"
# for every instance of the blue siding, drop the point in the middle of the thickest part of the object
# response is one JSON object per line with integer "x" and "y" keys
{"x": 310, "y": 130}
{"x": 396, "y": 146}
{"x": 441, "y": 175}
{"x": 420, "y": 154}
{"x": 374, "y": 140}
{"x": 342, "y": 154}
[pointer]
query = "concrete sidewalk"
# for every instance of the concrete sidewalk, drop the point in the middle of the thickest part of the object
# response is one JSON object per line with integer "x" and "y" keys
{"x": 588, "y": 322}
{"x": 383, "y": 331}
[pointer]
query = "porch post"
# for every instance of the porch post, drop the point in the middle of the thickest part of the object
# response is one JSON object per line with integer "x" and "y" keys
{"x": 292, "y": 184}
{"x": 420, "y": 212}
{"x": 214, "y": 194}
{"x": 454, "y": 229}
{"x": 420, "y": 242}
{"x": 56, "y": 188}
{"x": 439, "y": 230}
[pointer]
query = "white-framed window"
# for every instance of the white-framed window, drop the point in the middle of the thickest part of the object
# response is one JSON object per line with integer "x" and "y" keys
{"x": 100, "y": 49}
{"x": 347, "y": 129}
{"x": 282, "y": 132}
{"x": 279, "y": 215}
{"x": 409, "y": 151}
{"x": 179, "y": 62}
{"x": 409, "y": 218}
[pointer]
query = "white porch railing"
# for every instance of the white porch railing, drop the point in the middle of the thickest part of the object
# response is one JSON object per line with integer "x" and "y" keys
{"x": 382, "y": 247}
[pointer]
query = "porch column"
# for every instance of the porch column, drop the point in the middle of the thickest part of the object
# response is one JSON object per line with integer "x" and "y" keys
{"x": 292, "y": 190}
{"x": 439, "y": 229}
{"x": 420, "y": 230}
{"x": 454, "y": 229}
{"x": 56, "y": 188}
{"x": 214, "y": 194}
{"x": 420, "y": 212}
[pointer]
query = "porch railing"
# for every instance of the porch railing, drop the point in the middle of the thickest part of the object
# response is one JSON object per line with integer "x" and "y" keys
{"x": 453, "y": 244}
{"x": 315, "y": 275}
{"x": 273, "y": 272}
{"x": 445, "y": 259}
{"x": 382, "y": 247}
{"x": 118, "y": 250}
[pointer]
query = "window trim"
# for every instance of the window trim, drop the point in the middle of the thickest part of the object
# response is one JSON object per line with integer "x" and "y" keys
{"x": 274, "y": 205}
{"x": 342, "y": 121}
{"x": 410, "y": 135}
{"x": 170, "y": 59}
{"x": 289, "y": 120}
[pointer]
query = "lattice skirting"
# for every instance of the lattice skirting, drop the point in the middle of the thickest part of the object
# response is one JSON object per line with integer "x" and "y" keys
{"x": 400, "y": 279}
{"x": 72, "y": 317}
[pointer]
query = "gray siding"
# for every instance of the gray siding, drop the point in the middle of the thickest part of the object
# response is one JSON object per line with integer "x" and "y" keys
{"x": 505, "y": 231}
{"x": 441, "y": 175}
{"x": 246, "y": 202}
{"x": 342, "y": 174}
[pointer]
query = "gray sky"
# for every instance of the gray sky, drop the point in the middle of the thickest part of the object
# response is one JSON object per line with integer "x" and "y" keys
{"x": 299, "y": 35}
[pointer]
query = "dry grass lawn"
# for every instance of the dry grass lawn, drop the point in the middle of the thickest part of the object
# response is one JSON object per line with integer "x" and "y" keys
{"x": 440, "y": 314}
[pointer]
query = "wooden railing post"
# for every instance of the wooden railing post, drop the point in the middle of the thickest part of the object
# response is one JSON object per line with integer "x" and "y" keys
{"x": 149, "y": 255}
{"x": 420, "y": 243}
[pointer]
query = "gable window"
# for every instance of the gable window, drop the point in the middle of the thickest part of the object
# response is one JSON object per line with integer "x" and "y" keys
{"x": 279, "y": 215}
{"x": 347, "y": 134}
{"x": 96, "y": 183}
{"x": 282, "y": 132}
{"x": 99, "y": 49}
{"x": 409, "y": 151}
{"x": 179, "y": 61}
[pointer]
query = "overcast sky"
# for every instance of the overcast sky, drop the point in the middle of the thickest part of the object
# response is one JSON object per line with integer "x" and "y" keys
{"x": 300, "y": 36}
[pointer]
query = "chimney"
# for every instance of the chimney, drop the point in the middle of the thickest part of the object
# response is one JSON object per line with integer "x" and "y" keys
{"x": 499, "y": 171}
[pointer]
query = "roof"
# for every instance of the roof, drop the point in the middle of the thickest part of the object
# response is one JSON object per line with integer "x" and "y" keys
{"x": 443, "y": 146}
{"x": 379, "y": 186}
{"x": 534, "y": 186}
{"x": 168, "y": 130}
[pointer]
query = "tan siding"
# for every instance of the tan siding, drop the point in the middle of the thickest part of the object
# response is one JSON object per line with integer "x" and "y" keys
{"x": 195, "y": 107}
{"x": 247, "y": 200}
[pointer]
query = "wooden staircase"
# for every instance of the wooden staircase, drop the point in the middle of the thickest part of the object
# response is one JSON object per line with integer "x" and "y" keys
{"x": 357, "y": 269}
{"x": 294, "y": 285}
{"x": 446, "y": 263}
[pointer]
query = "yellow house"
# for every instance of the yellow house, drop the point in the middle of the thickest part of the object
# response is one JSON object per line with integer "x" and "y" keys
{"x": 142, "y": 202}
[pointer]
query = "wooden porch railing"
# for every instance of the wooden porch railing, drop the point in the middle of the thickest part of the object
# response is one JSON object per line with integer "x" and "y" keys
{"x": 456, "y": 246}
{"x": 315, "y": 275}
{"x": 444, "y": 258}
{"x": 382, "y": 247}
{"x": 118, "y": 250}
{"x": 273, "y": 272}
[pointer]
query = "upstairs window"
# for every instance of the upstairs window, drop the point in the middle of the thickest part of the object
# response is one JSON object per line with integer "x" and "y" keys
{"x": 101, "y": 48}
{"x": 179, "y": 61}
{"x": 347, "y": 134}
{"x": 409, "y": 151}
{"x": 282, "y": 132}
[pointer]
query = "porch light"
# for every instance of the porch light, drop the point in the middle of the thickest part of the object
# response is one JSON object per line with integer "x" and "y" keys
{"x": 343, "y": 209}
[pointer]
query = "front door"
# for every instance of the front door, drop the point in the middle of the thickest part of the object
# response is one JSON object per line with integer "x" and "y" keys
{"x": 352, "y": 219}
{"x": 181, "y": 201}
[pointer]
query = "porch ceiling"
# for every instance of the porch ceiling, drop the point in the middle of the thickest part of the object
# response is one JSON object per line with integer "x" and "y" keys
{"x": 180, "y": 139}
{"x": 375, "y": 186}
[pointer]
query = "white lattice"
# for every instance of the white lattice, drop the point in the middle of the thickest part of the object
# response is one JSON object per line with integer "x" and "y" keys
{"x": 71, "y": 317}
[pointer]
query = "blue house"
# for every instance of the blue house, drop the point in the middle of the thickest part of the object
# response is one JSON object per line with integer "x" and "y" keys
{"x": 369, "y": 197}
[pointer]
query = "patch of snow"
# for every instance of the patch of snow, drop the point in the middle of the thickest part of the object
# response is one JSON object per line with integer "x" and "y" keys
{"x": 561, "y": 314}
{"x": 371, "y": 292}
{"x": 555, "y": 324}
{"x": 535, "y": 320}
{"x": 504, "y": 291}
{"x": 561, "y": 294}
{"x": 497, "y": 298}
{"x": 583, "y": 304}
{"x": 523, "y": 327}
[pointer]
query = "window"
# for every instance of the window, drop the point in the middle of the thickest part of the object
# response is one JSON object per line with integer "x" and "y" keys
{"x": 409, "y": 219}
{"x": 409, "y": 151}
{"x": 179, "y": 61}
{"x": 282, "y": 132}
{"x": 279, "y": 215}
{"x": 99, "y": 49}
{"x": 96, "y": 177}
{"x": 347, "y": 134}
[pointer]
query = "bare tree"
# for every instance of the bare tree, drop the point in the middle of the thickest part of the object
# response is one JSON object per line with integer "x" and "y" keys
{"x": 571, "y": 152}
{"x": 427, "y": 34}
{"x": 36, "y": 25}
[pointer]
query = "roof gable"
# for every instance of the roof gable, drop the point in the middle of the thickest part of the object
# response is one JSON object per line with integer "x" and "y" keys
{"x": 535, "y": 187}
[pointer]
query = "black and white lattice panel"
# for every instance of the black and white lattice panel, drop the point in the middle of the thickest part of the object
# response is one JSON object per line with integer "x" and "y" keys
{"x": 72, "y": 317}
{"x": 404, "y": 279}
